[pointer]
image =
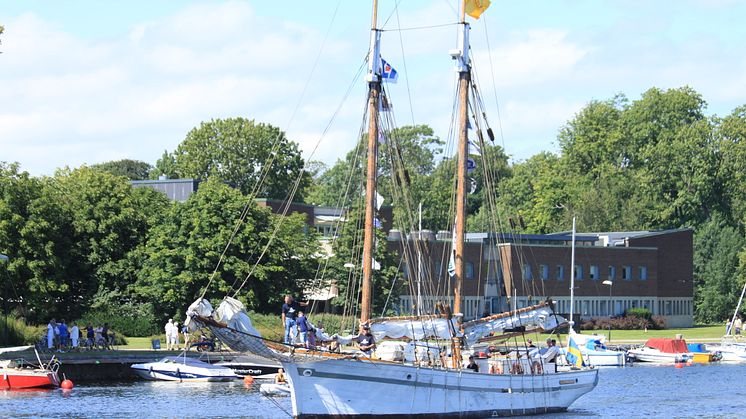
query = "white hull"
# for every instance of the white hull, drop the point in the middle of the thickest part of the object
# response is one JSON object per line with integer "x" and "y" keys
{"x": 174, "y": 369}
{"x": 275, "y": 390}
{"x": 654, "y": 355}
{"x": 342, "y": 387}
{"x": 730, "y": 352}
{"x": 606, "y": 358}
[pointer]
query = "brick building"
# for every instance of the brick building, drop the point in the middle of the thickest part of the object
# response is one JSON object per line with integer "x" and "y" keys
{"x": 613, "y": 272}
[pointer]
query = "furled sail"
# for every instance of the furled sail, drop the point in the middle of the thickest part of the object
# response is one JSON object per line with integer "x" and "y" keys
{"x": 230, "y": 323}
{"x": 540, "y": 316}
{"x": 414, "y": 327}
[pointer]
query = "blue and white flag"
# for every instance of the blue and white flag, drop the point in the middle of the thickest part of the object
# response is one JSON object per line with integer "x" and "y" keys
{"x": 474, "y": 149}
{"x": 388, "y": 73}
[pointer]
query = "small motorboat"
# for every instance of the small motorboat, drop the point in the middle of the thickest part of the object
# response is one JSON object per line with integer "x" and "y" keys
{"x": 662, "y": 350}
{"x": 731, "y": 349}
{"x": 19, "y": 374}
{"x": 183, "y": 368}
{"x": 275, "y": 389}
{"x": 594, "y": 350}
{"x": 250, "y": 365}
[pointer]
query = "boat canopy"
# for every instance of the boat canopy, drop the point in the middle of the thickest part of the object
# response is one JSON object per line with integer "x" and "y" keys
{"x": 669, "y": 346}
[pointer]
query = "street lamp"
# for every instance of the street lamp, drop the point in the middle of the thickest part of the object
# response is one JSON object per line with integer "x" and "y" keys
{"x": 610, "y": 283}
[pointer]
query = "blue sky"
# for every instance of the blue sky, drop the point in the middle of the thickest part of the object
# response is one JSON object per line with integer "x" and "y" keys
{"x": 82, "y": 82}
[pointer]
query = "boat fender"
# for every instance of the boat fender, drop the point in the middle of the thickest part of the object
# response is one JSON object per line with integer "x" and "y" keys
{"x": 67, "y": 385}
{"x": 248, "y": 380}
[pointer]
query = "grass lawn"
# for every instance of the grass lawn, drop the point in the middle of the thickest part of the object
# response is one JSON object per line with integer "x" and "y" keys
{"x": 693, "y": 334}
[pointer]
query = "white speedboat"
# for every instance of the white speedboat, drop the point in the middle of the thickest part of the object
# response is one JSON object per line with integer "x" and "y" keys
{"x": 251, "y": 365}
{"x": 183, "y": 368}
{"x": 732, "y": 349}
{"x": 594, "y": 350}
{"x": 662, "y": 350}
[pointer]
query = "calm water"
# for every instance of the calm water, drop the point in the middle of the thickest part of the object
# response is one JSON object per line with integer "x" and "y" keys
{"x": 639, "y": 391}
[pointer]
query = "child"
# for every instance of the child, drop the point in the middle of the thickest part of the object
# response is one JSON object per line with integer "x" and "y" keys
{"x": 302, "y": 323}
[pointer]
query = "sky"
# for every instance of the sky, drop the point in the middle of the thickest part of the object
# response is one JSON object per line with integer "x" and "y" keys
{"x": 86, "y": 81}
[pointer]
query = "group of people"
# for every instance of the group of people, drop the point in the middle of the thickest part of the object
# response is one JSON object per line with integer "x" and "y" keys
{"x": 736, "y": 328}
{"x": 61, "y": 337}
{"x": 297, "y": 327}
{"x": 172, "y": 335}
{"x": 299, "y": 330}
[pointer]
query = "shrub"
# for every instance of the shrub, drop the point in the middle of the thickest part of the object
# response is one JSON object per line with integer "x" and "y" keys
{"x": 15, "y": 332}
{"x": 121, "y": 323}
{"x": 640, "y": 312}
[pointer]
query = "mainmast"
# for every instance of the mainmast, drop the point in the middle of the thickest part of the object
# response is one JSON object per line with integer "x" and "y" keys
{"x": 461, "y": 55}
{"x": 572, "y": 273}
{"x": 374, "y": 92}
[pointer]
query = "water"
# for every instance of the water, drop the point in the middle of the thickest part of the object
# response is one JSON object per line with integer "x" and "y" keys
{"x": 642, "y": 390}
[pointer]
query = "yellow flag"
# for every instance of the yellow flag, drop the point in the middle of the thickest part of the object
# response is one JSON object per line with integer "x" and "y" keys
{"x": 475, "y": 8}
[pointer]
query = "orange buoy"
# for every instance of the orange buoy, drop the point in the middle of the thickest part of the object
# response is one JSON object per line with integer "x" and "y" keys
{"x": 679, "y": 365}
{"x": 248, "y": 380}
{"x": 67, "y": 385}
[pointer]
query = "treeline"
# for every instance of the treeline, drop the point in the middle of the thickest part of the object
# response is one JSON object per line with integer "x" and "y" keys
{"x": 84, "y": 242}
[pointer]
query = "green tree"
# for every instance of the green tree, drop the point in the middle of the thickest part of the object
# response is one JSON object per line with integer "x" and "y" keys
{"x": 716, "y": 266}
{"x": 237, "y": 151}
{"x": 131, "y": 169}
{"x": 731, "y": 139}
{"x": 184, "y": 250}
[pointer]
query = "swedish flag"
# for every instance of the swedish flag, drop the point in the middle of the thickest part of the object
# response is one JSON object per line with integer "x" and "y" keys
{"x": 574, "y": 357}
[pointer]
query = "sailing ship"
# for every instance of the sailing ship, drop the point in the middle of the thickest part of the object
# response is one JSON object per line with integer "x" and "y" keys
{"x": 337, "y": 385}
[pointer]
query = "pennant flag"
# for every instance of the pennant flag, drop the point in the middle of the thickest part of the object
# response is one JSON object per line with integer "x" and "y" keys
{"x": 475, "y": 8}
{"x": 474, "y": 149}
{"x": 574, "y": 357}
{"x": 388, "y": 73}
{"x": 452, "y": 261}
{"x": 375, "y": 265}
{"x": 379, "y": 201}
{"x": 471, "y": 165}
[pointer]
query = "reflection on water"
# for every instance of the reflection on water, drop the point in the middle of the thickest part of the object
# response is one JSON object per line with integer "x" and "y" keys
{"x": 642, "y": 390}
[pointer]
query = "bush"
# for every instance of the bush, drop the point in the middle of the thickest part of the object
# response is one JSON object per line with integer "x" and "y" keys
{"x": 15, "y": 332}
{"x": 628, "y": 322}
{"x": 640, "y": 312}
{"x": 122, "y": 324}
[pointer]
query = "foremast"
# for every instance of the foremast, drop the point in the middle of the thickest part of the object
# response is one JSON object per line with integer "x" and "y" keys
{"x": 461, "y": 55}
{"x": 374, "y": 93}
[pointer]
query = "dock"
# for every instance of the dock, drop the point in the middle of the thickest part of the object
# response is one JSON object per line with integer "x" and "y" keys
{"x": 111, "y": 365}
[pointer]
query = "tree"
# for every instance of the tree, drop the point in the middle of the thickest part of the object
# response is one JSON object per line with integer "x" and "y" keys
{"x": 256, "y": 158}
{"x": 184, "y": 250}
{"x": 731, "y": 140}
{"x": 717, "y": 250}
{"x": 131, "y": 169}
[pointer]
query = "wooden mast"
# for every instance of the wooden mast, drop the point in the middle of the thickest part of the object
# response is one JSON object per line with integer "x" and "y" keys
{"x": 374, "y": 92}
{"x": 464, "y": 78}
{"x": 461, "y": 55}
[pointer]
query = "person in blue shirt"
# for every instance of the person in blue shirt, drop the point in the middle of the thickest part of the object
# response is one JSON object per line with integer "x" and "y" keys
{"x": 63, "y": 334}
{"x": 366, "y": 343}
{"x": 302, "y": 322}
{"x": 290, "y": 311}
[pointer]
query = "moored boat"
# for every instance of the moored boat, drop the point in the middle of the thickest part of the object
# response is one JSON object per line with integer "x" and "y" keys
{"x": 275, "y": 389}
{"x": 183, "y": 368}
{"x": 250, "y": 365}
{"x": 19, "y": 374}
{"x": 594, "y": 350}
{"x": 662, "y": 350}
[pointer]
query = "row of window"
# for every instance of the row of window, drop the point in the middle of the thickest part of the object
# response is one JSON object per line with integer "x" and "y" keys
{"x": 593, "y": 273}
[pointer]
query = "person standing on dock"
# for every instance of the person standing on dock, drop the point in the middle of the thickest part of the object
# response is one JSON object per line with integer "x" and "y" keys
{"x": 175, "y": 335}
{"x": 738, "y": 324}
{"x": 63, "y": 334}
{"x": 187, "y": 336}
{"x": 50, "y": 333}
{"x": 169, "y": 331}
{"x": 75, "y": 336}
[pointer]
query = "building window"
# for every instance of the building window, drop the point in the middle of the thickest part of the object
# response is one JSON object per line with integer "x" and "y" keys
{"x": 560, "y": 272}
{"x": 627, "y": 273}
{"x": 469, "y": 270}
{"x": 578, "y": 272}
{"x": 527, "y": 274}
{"x": 593, "y": 272}
{"x": 612, "y": 272}
{"x": 544, "y": 272}
{"x": 643, "y": 273}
